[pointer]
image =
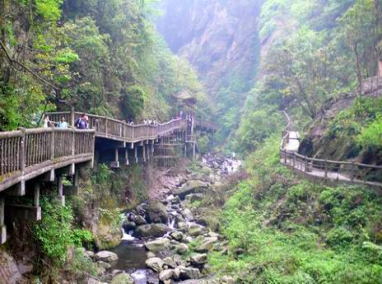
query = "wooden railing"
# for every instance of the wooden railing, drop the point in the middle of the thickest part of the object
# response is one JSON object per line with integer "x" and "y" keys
{"x": 24, "y": 151}
{"x": 340, "y": 171}
{"x": 120, "y": 130}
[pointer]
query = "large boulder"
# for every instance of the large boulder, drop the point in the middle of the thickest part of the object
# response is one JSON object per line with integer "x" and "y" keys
{"x": 181, "y": 248}
{"x": 166, "y": 274}
{"x": 155, "y": 264}
{"x": 207, "y": 244}
{"x": 138, "y": 219}
{"x": 170, "y": 262}
{"x": 9, "y": 273}
{"x": 199, "y": 259}
{"x": 188, "y": 273}
{"x": 158, "y": 245}
{"x": 187, "y": 214}
{"x": 176, "y": 235}
{"x": 152, "y": 230}
{"x": 196, "y": 230}
{"x": 156, "y": 212}
{"x": 106, "y": 256}
{"x": 122, "y": 278}
{"x": 128, "y": 226}
{"x": 194, "y": 197}
{"x": 192, "y": 186}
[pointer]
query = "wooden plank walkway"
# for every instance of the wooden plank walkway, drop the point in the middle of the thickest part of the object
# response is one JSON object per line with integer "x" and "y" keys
{"x": 325, "y": 170}
{"x": 28, "y": 153}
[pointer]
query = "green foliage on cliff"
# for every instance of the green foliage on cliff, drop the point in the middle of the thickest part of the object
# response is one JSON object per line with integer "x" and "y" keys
{"x": 56, "y": 232}
{"x": 103, "y": 57}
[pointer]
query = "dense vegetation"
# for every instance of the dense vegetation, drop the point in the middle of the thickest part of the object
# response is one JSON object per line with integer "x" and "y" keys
{"x": 100, "y": 56}
{"x": 313, "y": 51}
{"x": 291, "y": 230}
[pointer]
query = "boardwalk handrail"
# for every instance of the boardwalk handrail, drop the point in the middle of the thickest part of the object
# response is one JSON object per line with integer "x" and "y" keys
{"x": 26, "y": 153}
{"x": 344, "y": 171}
{"x": 121, "y": 130}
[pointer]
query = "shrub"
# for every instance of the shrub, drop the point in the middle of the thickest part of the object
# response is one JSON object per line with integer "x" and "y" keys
{"x": 55, "y": 232}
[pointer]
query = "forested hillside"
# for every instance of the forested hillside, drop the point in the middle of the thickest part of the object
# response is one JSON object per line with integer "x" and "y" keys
{"x": 319, "y": 61}
{"x": 103, "y": 57}
{"x": 238, "y": 211}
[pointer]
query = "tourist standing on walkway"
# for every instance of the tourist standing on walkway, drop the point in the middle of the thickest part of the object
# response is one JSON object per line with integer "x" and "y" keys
{"x": 63, "y": 124}
{"x": 82, "y": 122}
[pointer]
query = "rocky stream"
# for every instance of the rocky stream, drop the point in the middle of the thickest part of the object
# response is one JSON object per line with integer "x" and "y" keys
{"x": 163, "y": 241}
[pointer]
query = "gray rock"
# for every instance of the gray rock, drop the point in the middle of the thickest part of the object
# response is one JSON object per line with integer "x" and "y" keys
{"x": 191, "y": 186}
{"x": 158, "y": 244}
{"x": 152, "y": 230}
{"x": 156, "y": 213}
{"x": 150, "y": 254}
{"x": 106, "y": 256}
{"x": 227, "y": 280}
{"x": 176, "y": 235}
{"x": 128, "y": 226}
{"x": 122, "y": 278}
{"x": 166, "y": 274}
{"x": 139, "y": 220}
{"x": 89, "y": 253}
{"x": 183, "y": 226}
{"x": 207, "y": 244}
{"x": 194, "y": 197}
{"x": 103, "y": 265}
{"x": 196, "y": 230}
{"x": 181, "y": 248}
{"x": 93, "y": 281}
{"x": 170, "y": 262}
{"x": 188, "y": 273}
{"x": 199, "y": 259}
{"x": 155, "y": 264}
{"x": 9, "y": 273}
{"x": 187, "y": 214}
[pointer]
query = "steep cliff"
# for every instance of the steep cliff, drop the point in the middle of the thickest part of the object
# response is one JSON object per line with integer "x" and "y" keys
{"x": 219, "y": 38}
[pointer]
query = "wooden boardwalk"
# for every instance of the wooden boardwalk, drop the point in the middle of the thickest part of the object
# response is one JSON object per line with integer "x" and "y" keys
{"x": 325, "y": 170}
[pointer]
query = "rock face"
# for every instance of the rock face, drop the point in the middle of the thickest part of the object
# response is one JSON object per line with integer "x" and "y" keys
{"x": 217, "y": 37}
{"x": 9, "y": 273}
{"x": 153, "y": 230}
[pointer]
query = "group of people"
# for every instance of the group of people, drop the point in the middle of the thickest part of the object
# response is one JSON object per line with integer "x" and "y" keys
{"x": 150, "y": 122}
{"x": 81, "y": 123}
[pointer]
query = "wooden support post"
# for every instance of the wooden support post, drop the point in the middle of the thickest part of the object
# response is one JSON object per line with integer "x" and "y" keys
{"x": 3, "y": 229}
{"x": 148, "y": 151}
{"x": 152, "y": 147}
{"x": 60, "y": 190}
{"x": 285, "y": 157}
{"x": 126, "y": 156}
{"x": 136, "y": 154}
{"x": 144, "y": 152}
{"x": 115, "y": 163}
{"x": 326, "y": 168}
{"x": 193, "y": 151}
{"x": 72, "y": 116}
{"x": 36, "y": 195}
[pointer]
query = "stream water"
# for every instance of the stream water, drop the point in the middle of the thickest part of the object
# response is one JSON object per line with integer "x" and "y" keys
{"x": 132, "y": 252}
